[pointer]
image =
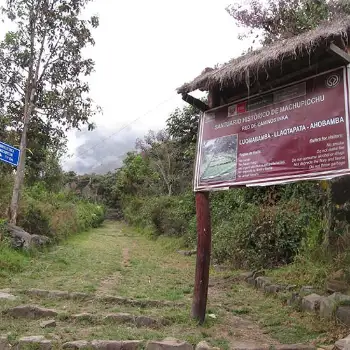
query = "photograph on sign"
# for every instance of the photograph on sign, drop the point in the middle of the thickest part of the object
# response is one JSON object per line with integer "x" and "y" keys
{"x": 219, "y": 159}
{"x": 296, "y": 132}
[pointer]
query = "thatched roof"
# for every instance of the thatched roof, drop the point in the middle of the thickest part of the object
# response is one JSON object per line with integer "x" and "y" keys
{"x": 235, "y": 71}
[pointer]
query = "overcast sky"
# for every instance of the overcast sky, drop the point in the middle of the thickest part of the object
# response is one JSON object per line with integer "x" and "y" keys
{"x": 145, "y": 50}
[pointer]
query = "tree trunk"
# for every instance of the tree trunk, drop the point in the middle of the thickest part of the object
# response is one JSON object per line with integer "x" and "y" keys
{"x": 19, "y": 178}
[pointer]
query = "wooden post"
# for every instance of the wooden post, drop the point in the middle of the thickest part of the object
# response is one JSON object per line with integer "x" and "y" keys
{"x": 199, "y": 304}
{"x": 201, "y": 284}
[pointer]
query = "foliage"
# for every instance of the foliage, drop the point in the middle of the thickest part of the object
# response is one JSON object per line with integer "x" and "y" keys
{"x": 282, "y": 19}
{"x": 135, "y": 176}
{"x": 55, "y": 214}
{"x": 42, "y": 75}
{"x": 183, "y": 124}
{"x": 163, "y": 156}
{"x": 164, "y": 215}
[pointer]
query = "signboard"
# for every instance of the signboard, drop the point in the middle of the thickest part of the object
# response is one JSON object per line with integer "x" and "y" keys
{"x": 294, "y": 133}
{"x": 9, "y": 154}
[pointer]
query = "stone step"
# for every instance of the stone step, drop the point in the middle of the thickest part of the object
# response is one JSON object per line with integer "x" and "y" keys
{"x": 122, "y": 318}
{"x": 41, "y": 343}
{"x": 110, "y": 299}
{"x": 36, "y": 312}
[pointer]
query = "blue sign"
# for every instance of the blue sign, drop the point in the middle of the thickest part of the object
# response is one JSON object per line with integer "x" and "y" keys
{"x": 9, "y": 154}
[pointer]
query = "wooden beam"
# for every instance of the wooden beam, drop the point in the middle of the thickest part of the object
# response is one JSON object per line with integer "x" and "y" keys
{"x": 337, "y": 51}
{"x": 201, "y": 284}
{"x": 199, "y": 304}
{"x": 195, "y": 102}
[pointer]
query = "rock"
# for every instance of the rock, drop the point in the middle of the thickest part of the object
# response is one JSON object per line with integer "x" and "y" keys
{"x": 187, "y": 252}
{"x": 4, "y": 343}
{"x": 258, "y": 273}
{"x": 333, "y": 286}
{"x": 120, "y": 317}
{"x": 113, "y": 299}
{"x": 342, "y": 344}
{"x": 6, "y": 290}
{"x": 295, "y": 300}
{"x": 311, "y": 302}
{"x": 251, "y": 281}
{"x": 58, "y": 294}
{"x": 115, "y": 345}
{"x": 343, "y": 314}
{"x": 48, "y": 324}
{"x": 326, "y": 347}
{"x": 39, "y": 241}
{"x": 203, "y": 345}
{"x": 34, "y": 342}
{"x": 262, "y": 281}
{"x": 273, "y": 288}
{"x": 78, "y": 344}
{"x": 24, "y": 240}
{"x": 168, "y": 344}
{"x": 38, "y": 292}
{"x": 144, "y": 321}
{"x": 295, "y": 347}
{"x": 245, "y": 275}
{"x": 253, "y": 346}
{"x": 31, "y": 311}
{"x": 237, "y": 345}
{"x": 7, "y": 296}
{"x": 329, "y": 304}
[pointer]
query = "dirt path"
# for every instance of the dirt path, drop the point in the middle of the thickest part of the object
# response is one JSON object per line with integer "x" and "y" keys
{"x": 116, "y": 261}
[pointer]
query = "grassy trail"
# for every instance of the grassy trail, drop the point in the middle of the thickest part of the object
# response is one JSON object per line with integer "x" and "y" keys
{"x": 116, "y": 260}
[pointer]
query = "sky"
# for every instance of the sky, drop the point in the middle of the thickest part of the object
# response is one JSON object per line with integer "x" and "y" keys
{"x": 145, "y": 50}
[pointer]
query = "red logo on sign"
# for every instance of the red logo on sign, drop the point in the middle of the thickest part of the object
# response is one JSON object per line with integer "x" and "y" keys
{"x": 242, "y": 107}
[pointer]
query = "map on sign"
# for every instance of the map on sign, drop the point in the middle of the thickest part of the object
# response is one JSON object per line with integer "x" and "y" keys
{"x": 293, "y": 133}
{"x": 9, "y": 154}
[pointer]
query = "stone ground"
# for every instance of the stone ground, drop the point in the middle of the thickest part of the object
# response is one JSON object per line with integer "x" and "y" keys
{"x": 115, "y": 284}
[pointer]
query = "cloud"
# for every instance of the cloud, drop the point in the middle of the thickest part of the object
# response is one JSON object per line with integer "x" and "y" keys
{"x": 143, "y": 52}
{"x": 101, "y": 150}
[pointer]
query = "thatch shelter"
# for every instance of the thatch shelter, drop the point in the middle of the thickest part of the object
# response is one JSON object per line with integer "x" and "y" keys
{"x": 312, "y": 52}
{"x": 284, "y": 62}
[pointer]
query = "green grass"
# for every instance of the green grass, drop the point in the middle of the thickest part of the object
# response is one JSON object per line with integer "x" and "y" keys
{"x": 280, "y": 321}
{"x": 117, "y": 260}
{"x": 11, "y": 261}
{"x": 302, "y": 272}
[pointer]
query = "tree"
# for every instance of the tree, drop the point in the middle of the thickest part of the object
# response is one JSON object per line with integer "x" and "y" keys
{"x": 183, "y": 124}
{"x": 162, "y": 153}
{"x": 281, "y": 19}
{"x": 42, "y": 69}
{"x": 135, "y": 176}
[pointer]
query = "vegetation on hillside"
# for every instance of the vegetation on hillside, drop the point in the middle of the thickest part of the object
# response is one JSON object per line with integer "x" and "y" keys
{"x": 42, "y": 78}
{"x": 305, "y": 223}
{"x": 44, "y": 93}
{"x": 254, "y": 227}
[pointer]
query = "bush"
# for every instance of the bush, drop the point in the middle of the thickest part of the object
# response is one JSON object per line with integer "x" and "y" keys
{"x": 6, "y": 182}
{"x": 165, "y": 215}
{"x": 245, "y": 234}
{"x": 56, "y": 215}
{"x": 11, "y": 261}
